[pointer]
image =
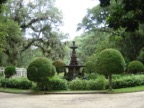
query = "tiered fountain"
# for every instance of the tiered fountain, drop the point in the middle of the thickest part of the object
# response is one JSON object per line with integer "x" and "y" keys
{"x": 73, "y": 70}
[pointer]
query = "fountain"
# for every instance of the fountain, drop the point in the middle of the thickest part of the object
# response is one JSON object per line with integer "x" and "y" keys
{"x": 73, "y": 70}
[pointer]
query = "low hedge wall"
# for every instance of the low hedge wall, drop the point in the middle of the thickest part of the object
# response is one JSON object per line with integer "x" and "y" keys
{"x": 56, "y": 83}
{"x": 128, "y": 81}
{"x": 20, "y": 83}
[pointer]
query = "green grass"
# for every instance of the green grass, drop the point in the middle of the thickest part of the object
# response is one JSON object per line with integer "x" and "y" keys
{"x": 121, "y": 90}
{"x": 13, "y": 90}
{"x": 130, "y": 89}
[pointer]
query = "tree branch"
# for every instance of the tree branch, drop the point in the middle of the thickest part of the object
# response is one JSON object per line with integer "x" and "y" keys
{"x": 33, "y": 21}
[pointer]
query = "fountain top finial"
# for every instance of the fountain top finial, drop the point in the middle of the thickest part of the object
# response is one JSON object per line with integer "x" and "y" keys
{"x": 73, "y": 43}
{"x": 73, "y": 46}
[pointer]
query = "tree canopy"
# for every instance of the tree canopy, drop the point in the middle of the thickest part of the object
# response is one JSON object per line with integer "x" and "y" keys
{"x": 38, "y": 23}
{"x": 127, "y": 14}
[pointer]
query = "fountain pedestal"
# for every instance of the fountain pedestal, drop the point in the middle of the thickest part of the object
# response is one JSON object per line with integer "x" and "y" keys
{"x": 73, "y": 70}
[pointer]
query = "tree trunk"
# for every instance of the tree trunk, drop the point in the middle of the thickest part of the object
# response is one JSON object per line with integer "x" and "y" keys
{"x": 110, "y": 82}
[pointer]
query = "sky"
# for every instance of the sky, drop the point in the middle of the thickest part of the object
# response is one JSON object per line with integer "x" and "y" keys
{"x": 73, "y": 12}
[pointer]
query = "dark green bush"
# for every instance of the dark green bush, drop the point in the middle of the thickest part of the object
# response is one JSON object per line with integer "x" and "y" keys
{"x": 10, "y": 71}
{"x": 20, "y": 83}
{"x": 109, "y": 62}
{"x": 135, "y": 67}
{"x": 59, "y": 66}
{"x": 39, "y": 70}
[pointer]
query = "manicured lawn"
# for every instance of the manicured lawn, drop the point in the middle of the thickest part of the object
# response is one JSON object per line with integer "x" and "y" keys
{"x": 122, "y": 90}
{"x": 130, "y": 89}
{"x": 13, "y": 90}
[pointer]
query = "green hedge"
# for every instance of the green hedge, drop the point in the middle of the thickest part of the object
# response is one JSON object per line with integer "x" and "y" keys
{"x": 128, "y": 81}
{"x": 57, "y": 83}
{"x": 119, "y": 81}
{"x": 97, "y": 84}
{"x": 20, "y": 83}
{"x": 78, "y": 84}
{"x": 54, "y": 83}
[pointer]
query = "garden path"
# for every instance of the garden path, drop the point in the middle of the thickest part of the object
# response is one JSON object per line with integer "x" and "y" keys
{"x": 124, "y": 100}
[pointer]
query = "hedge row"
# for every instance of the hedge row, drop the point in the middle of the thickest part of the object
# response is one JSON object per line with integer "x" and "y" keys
{"x": 97, "y": 84}
{"x": 56, "y": 83}
{"x": 128, "y": 81}
{"x": 20, "y": 83}
{"x": 119, "y": 81}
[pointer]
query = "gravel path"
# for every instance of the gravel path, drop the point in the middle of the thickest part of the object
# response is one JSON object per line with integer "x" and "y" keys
{"x": 125, "y": 100}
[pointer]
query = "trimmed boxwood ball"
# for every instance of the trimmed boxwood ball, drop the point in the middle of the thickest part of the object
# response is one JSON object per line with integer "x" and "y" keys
{"x": 40, "y": 69}
{"x": 135, "y": 67}
{"x": 59, "y": 64}
{"x": 10, "y": 71}
{"x": 108, "y": 62}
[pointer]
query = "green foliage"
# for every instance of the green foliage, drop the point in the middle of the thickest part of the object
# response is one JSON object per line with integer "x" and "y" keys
{"x": 56, "y": 83}
{"x": 110, "y": 61}
{"x": 90, "y": 66}
{"x": 10, "y": 71}
{"x": 1, "y": 74}
{"x": 93, "y": 84}
{"x": 90, "y": 76}
{"x": 2, "y": 1}
{"x": 131, "y": 44}
{"x": 8, "y": 29}
{"x": 94, "y": 18}
{"x": 59, "y": 66}
{"x": 127, "y": 14}
{"x": 28, "y": 56}
{"x": 128, "y": 81}
{"x": 20, "y": 17}
{"x": 141, "y": 56}
{"x": 10, "y": 38}
{"x": 1, "y": 80}
{"x": 98, "y": 84}
{"x": 78, "y": 84}
{"x": 40, "y": 69}
{"x": 1, "y": 4}
{"x": 20, "y": 83}
{"x": 135, "y": 67}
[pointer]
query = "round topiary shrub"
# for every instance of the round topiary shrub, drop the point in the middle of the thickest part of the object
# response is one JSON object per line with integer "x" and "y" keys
{"x": 10, "y": 71}
{"x": 59, "y": 66}
{"x": 39, "y": 70}
{"x": 110, "y": 61}
{"x": 135, "y": 67}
